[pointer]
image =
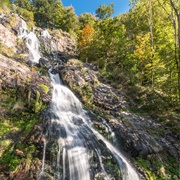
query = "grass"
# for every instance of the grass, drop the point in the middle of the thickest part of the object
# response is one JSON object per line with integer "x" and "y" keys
{"x": 15, "y": 124}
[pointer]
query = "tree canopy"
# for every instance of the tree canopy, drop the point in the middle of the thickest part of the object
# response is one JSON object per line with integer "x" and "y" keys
{"x": 141, "y": 47}
{"x": 104, "y": 11}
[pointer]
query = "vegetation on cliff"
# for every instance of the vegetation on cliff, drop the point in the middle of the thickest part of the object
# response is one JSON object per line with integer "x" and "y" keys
{"x": 137, "y": 53}
{"x": 137, "y": 49}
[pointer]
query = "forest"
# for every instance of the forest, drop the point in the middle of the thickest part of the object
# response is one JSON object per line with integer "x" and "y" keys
{"x": 131, "y": 58}
{"x": 139, "y": 49}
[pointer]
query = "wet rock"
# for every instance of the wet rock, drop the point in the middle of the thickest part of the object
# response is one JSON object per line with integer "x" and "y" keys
{"x": 136, "y": 134}
{"x": 57, "y": 45}
{"x": 14, "y": 74}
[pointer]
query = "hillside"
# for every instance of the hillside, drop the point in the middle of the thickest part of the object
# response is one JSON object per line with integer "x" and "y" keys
{"x": 140, "y": 120}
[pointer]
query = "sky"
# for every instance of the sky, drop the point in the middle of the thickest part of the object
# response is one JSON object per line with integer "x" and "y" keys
{"x": 90, "y": 6}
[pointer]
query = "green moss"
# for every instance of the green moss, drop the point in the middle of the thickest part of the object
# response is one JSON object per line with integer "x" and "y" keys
{"x": 4, "y": 144}
{"x": 87, "y": 94}
{"x": 44, "y": 88}
{"x": 145, "y": 164}
{"x": 16, "y": 123}
{"x": 6, "y": 51}
{"x": 10, "y": 159}
{"x": 165, "y": 167}
{"x": 5, "y": 127}
{"x": 30, "y": 150}
{"x": 112, "y": 167}
{"x": 75, "y": 62}
{"x": 172, "y": 168}
{"x": 23, "y": 123}
{"x": 83, "y": 71}
{"x": 37, "y": 103}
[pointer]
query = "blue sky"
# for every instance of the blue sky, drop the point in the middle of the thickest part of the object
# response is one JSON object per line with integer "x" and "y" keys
{"x": 81, "y": 6}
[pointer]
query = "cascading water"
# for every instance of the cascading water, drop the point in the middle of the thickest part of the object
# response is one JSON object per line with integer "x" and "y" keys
{"x": 45, "y": 34}
{"x": 79, "y": 144}
{"x": 31, "y": 41}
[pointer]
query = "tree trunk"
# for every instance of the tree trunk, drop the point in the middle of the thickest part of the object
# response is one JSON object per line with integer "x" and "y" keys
{"x": 177, "y": 40}
{"x": 178, "y": 63}
{"x": 152, "y": 41}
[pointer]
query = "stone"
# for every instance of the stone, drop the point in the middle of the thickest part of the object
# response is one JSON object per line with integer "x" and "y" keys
{"x": 136, "y": 134}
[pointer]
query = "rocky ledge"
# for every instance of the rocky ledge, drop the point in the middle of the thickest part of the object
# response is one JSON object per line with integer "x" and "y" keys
{"x": 25, "y": 94}
{"x": 138, "y": 136}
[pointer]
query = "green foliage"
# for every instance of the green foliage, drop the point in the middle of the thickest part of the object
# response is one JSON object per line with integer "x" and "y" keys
{"x": 10, "y": 159}
{"x": 27, "y": 15}
{"x": 52, "y": 14}
{"x": 165, "y": 168}
{"x": 126, "y": 53}
{"x": 13, "y": 125}
{"x": 25, "y": 4}
{"x": 86, "y": 18}
{"x": 104, "y": 11}
{"x": 44, "y": 88}
{"x": 145, "y": 164}
{"x": 70, "y": 20}
{"x": 37, "y": 102}
{"x": 5, "y": 127}
{"x": 43, "y": 12}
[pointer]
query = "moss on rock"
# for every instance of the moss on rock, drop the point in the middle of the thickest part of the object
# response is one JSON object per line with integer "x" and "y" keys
{"x": 44, "y": 87}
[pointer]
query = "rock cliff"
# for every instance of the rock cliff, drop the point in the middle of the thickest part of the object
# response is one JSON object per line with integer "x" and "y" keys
{"x": 137, "y": 135}
{"x": 25, "y": 96}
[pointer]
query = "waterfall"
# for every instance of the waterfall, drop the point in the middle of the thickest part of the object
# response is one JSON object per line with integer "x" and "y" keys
{"x": 31, "y": 41}
{"x": 45, "y": 34}
{"x": 78, "y": 141}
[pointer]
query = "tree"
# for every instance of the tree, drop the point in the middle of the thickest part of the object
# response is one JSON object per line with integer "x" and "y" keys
{"x": 172, "y": 10}
{"x": 71, "y": 23}
{"x": 176, "y": 22}
{"x": 87, "y": 35}
{"x": 42, "y": 12}
{"x": 26, "y": 4}
{"x": 58, "y": 14}
{"x": 86, "y": 18}
{"x": 104, "y": 11}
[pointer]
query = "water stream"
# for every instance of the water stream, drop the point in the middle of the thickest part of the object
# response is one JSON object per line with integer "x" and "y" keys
{"x": 78, "y": 142}
{"x": 79, "y": 151}
{"x": 31, "y": 41}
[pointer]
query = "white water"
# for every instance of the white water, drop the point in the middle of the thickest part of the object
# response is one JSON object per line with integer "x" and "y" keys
{"x": 74, "y": 133}
{"x": 128, "y": 173}
{"x": 67, "y": 107}
{"x": 45, "y": 34}
{"x": 31, "y": 41}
